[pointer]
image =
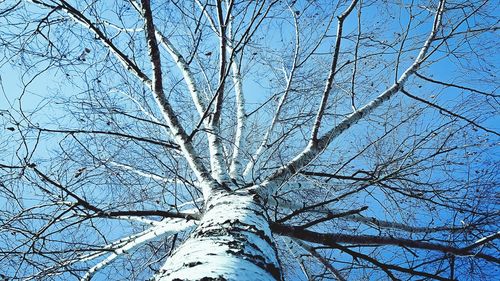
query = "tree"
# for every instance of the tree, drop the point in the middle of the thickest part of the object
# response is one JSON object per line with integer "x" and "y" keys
{"x": 249, "y": 140}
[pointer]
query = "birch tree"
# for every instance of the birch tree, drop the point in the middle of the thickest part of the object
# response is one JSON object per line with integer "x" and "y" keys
{"x": 249, "y": 140}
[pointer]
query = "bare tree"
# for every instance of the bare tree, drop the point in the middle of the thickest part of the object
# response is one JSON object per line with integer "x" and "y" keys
{"x": 249, "y": 140}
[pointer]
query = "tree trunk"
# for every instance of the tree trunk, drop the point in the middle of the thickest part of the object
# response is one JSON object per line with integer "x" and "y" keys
{"x": 233, "y": 241}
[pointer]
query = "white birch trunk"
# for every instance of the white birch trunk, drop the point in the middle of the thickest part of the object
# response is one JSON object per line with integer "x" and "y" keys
{"x": 232, "y": 242}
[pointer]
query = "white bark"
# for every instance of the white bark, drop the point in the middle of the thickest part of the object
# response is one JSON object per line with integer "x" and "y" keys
{"x": 238, "y": 146}
{"x": 233, "y": 241}
{"x": 216, "y": 157}
{"x": 143, "y": 173}
{"x": 187, "y": 74}
{"x": 167, "y": 227}
{"x": 170, "y": 117}
{"x": 217, "y": 163}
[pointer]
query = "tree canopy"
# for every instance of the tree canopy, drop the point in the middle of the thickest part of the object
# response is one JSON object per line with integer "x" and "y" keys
{"x": 317, "y": 140}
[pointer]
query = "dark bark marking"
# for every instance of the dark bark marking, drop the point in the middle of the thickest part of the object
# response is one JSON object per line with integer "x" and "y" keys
{"x": 193, "y": 264}
{"x": 236, "y": 229}
{"x": 220, "y": 278}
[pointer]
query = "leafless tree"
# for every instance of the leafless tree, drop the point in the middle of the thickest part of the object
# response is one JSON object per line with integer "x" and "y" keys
{"x": 249, "y": 140}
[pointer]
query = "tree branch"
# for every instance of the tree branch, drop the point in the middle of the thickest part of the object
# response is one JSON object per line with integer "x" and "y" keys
{"x": 321, "y": 259}
{"x": 166, "y": 144}
{"x": 170, "y": 116}
{"x": 331, "y": 239}
{"x": 406, "y": 93}
{"x": 313, "y": 149}
{"x": 331, "y": 75}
